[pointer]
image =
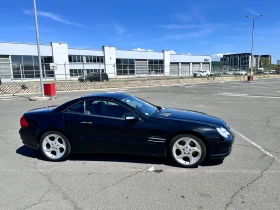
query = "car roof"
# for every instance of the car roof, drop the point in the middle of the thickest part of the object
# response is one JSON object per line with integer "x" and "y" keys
{"x": 113, "y": 95}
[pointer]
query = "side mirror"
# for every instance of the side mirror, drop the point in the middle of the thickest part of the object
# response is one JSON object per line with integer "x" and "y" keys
{"x": 130, "y": 118}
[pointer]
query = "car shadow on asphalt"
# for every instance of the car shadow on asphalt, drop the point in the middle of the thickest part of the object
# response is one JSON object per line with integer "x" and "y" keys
{"x": 31, "y": 153}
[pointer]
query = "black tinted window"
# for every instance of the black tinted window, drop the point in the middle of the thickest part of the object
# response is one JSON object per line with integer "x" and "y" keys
{"x": 106, "y": 109}
{"x": 77, "y": 108}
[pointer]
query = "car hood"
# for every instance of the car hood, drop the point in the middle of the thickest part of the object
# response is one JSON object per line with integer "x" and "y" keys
{"x": 189, "y": 115}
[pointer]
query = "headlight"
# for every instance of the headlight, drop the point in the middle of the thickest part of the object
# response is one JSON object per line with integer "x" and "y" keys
{"x": 224, "y": 132}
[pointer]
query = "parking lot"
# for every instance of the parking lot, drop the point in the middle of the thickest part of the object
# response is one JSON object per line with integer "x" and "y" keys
{"x": 247, "y": 179}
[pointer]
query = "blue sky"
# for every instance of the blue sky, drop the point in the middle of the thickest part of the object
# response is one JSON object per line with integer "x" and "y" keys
{"x": 198, "y": 27}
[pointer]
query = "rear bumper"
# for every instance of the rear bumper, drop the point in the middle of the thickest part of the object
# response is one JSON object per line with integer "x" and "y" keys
{"x": 28, "y": 138}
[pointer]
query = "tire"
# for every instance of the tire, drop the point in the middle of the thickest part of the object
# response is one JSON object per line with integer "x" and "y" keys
{"x": 55, "y": 146}
{"x": 184, "y": 146}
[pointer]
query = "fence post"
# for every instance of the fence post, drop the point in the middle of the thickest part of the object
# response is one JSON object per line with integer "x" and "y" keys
{"x": 45, "y": 72}
{"x": 20, "y": 73}
{"x": 100, "y": 74}
{"x": 65, "y": 71}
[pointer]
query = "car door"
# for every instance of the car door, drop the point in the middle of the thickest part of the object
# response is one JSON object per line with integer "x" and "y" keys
{"x": 71, "y": 123}
{"x": 105, "y": 129}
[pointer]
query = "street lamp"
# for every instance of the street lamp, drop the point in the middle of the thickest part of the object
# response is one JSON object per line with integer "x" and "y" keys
{"x": 38, "y": 49}
{"x": 252, "y": 57}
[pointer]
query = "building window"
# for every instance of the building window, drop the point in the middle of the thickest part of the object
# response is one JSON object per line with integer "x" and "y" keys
{"x": 80, "y": 72}
{"x": 125, "y": 66}
{"x": 155, "y": 66}
{"x": 28, "y": 66}
{"x": 88, "y": 59}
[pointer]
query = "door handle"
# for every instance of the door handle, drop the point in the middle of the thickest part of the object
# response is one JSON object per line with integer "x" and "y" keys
{"x": 86, "y": 122}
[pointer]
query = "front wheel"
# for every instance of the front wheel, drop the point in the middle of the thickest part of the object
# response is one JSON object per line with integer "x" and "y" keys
{"x": 187, "y": 151}
{"x": 55, "y": 146}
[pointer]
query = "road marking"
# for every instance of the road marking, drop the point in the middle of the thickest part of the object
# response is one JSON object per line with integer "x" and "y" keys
{"x": 125, "y": 90}
{"x": 151, "y": 168}
{"x": 245, "y": 95}
{"x": 60, "y": 99}
{"x": 255, "y": 145}
{"x": 9, "y": 98}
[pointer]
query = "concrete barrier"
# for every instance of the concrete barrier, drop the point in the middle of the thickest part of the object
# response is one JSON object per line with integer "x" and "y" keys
{"x": 73, "y": 85}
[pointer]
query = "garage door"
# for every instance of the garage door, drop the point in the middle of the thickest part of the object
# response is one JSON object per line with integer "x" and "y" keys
{"x": 141, "y": 67}
{"x": 5, "y": 69}
{"x": 174, "y": 69}
{"x": 196, "y": 67}
{"x": 185, "y": 69}
{"x": 206, "y": 66}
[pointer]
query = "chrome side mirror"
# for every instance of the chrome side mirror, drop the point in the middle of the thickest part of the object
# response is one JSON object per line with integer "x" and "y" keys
{"x": 130, "y": 118}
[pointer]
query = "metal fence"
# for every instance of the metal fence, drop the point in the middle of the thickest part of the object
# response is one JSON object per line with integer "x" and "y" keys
{"x": 72, "y": 71}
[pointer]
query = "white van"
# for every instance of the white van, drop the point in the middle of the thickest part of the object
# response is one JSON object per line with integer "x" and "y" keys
{"x": 201, "y": 73}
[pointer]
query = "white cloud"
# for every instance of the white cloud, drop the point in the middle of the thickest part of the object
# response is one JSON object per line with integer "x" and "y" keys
{"x": 188, "y": 26}
{"x": 219, "y": 55}
{"x": 172, "y": 52}
{"x": 119, "y": 29}
{"x": 195, "y": 34}
{"x": 54, "y": 17}
{"x": 140, "y": 49}
{"x": 253, "y": 12}
{"x": 184, "y": 17}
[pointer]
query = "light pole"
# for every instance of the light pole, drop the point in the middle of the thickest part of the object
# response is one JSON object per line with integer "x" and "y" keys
{"x": 38, "y": 49}
{"x": 252, "y": 48}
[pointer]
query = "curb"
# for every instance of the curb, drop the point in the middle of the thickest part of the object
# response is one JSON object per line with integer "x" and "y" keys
{"x": 39, "y": 98}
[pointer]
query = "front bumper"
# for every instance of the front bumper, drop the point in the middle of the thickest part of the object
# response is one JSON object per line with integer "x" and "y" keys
{"x": 221, "y": 148}
{"x": 28, "y": 138}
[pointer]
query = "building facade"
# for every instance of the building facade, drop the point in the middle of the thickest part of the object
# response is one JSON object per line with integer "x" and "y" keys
{"x": 278, "y": 62}
{"x": 19, "y": 61}
{"x": 243, "y": 60}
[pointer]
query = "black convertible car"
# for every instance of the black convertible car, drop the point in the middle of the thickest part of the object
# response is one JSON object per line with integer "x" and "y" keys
{"x": 121, "y": 123}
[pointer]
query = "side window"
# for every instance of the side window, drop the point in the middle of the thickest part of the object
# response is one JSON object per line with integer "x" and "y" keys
{"x": 77, "y": 108}
{"x": 106, "y": 109}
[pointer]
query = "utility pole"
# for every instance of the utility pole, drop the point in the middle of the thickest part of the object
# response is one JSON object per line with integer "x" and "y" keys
{"x": 38, "y": 49}
{"x": 252, "y": 48}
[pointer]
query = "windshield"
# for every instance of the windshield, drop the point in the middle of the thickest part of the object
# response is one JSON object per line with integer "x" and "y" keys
{"x": 140, "y": 105}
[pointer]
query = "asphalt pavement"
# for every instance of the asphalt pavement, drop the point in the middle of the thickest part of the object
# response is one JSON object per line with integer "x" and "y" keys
{"x": 247, "y": 179}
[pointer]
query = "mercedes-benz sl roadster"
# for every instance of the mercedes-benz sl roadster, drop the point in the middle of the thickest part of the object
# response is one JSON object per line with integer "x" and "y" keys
{"x": 121, "y": 123}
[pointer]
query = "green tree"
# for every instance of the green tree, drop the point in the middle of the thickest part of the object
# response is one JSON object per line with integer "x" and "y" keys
{"x": 270, "y": 67}
{"x": 265, "y": 62}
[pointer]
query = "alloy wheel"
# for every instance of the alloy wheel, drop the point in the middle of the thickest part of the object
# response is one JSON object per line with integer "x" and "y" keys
{"x": 54, "y": 146}
{"x": 187, "y": 151}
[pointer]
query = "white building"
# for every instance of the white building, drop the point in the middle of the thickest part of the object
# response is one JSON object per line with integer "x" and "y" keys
{"x": 19, "y": 61}
{"x": 278, "y": 62}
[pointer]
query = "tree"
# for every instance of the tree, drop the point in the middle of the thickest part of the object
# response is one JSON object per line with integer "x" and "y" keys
{"x": 264, "y": 62}
{"x": 271, "y": 67}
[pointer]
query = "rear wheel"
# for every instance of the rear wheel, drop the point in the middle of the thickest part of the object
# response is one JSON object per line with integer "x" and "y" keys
{"x": 55, "y": 146}
{"x": 187, "y": 151}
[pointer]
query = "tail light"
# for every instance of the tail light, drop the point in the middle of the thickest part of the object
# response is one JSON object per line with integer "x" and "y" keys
{"x": 23, "y": 122}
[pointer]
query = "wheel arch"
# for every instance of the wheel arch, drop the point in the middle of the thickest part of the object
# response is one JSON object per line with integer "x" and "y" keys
{"x": 189, "y": 132}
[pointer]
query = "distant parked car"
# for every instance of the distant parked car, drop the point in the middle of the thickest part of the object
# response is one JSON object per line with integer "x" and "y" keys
{"x": 266, "y": 72}
{"x": 229, "y": 72}
{"x": 272, "y": 71}
{"x": 201, "y": 73}
{"x": 216, "y": 73}
{"x": 259, "y": 72}
{"x": 91, "y": 77}
{"x": 240, "y": 72}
